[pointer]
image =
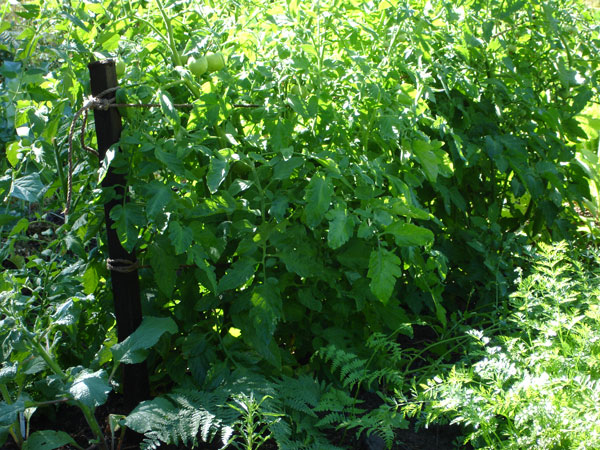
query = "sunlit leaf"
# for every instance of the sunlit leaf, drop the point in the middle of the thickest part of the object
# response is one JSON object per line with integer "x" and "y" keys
{"x": 384, "y": 268}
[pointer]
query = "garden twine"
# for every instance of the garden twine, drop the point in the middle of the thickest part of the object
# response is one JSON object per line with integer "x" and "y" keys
{"x": 103, "y": 104}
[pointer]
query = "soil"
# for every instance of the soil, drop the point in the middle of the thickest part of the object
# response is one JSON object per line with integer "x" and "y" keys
{"x": 69, "y": 419}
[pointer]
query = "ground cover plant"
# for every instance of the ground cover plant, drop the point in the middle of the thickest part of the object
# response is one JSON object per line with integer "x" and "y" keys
{"x": 322, "y": 197}
{"x": 533, "y": 383}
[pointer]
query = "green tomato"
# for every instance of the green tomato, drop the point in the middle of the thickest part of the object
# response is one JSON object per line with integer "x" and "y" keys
{"x": 215, "y": 61}
{"x": 197, "y": 66}
{"x": 298, "y": 90}
{"x": 120, "y": 68}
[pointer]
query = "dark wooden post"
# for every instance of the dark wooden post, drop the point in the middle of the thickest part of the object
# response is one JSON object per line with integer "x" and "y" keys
{"x": 125, "y": 286}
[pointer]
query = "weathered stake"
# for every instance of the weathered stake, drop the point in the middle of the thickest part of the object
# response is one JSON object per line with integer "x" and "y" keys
{"x": 125, "y": 286}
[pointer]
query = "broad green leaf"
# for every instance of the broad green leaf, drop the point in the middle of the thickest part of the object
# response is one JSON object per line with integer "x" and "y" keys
{"x": 318, "y": 198}
{"x": 297, "y": 251}
{"x": 8, "y": 413}
{"x": 427, "y": 159}
{"x": 108, "y": 40}
{"x": 390, "y": 127}
{"x": 12, "y": 152}
{"x": 408, "y": 234}
{"x": 169, "y": 159}
{"x": 285, "y": 168}
{"x": 208, "y": 278}
{"x": 217, "y": 171}
{"x": 28, "y": 188}
{"x": 410, "y": 211}
{"x": 237, "y": 275}
{"x": 5, "y": 219}
{"x": 127, "y": 218}
{"x": 48, "y": 440}
{"x": 341, "y": 226}
{"x": 181, "y": 237}
{"x": 307, "y": 298}
{"x": 8, "y": 373}
{"x": 90, "y": 388}
{"x": 279, "y": 207}
{"x": 135, "y": 348}
{"x": 167, "y": 108}
{"x": 105, "y": 164}
{"x": 159, "y": 195}
{"x": 66, "y": 313}
{"x": 20, "y": 227}
{"x": 440, "y": 311}
{"x": 90, "y": 279}
{"x": 265, "y": 313}
{"x": 164, "y": 266}
{"x": 384, "y": 268}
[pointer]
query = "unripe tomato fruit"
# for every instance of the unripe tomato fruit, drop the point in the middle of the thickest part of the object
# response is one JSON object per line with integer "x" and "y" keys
{"x": 215, "y": 61}
{"x": 120, "y": 68}
{"x": 197, "y": 66}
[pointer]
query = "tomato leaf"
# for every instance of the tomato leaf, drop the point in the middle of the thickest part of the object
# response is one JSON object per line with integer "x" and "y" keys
{"x": 265, "y": 313}
{"x": 164, "y": 266}
{"x": 341, "y": 226}
{"x": 167, "y": 108}
{"x": 28, "y": 188}
{"x": 159, "y": 195}
{"x": 384, "y": 268}
{"x": 239, "y": 273}
{"x": 217, "y": 171}
{"x": 127, "y": 218}
{"x": 134, "y": 349}
{"x": 318, "y": 198}
{"x": 408, "y": 234}
{"x": 181, "y": 237}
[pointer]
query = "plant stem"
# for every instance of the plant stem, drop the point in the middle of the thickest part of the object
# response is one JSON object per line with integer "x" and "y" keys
{"x": 16, "y": 432}
{"x": 175, "y": 54}
{"x": 87, "y": 412}
{"x": 46, "y": 357}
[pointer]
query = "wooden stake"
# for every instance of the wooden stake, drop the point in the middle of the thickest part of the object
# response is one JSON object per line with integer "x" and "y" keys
{"x": 125, "y": 286}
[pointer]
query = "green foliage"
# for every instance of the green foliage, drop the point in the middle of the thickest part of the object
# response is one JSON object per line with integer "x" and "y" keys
{"x": 48, "y": 440}
{"x": 403, "y": 174}
{"x": 355, "y": 168}
{"x": 180, "y": 417}
{"x": 241, "y": 409}
{"x": 132, "y": 349}
{"x": 343, "y": 410}
{"x": 533, "y": 384}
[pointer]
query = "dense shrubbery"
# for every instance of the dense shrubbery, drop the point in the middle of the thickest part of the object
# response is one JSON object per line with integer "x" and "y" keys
{"x": 356, "y": 169}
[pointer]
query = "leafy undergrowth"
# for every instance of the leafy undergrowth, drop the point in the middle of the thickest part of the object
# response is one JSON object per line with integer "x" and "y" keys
{"x": 535, "y": 381}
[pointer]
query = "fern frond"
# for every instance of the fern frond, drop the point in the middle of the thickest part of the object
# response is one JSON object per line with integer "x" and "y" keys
{"x": 353, "y": 370}
{"x": 7, "y": 40}
{"x": 300, "y": 394}
{"x": 181, "y": 416}
{"x": 382, "y": 344}
{"x": 332, "y": 418}
{"x": 336, "y": 400}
